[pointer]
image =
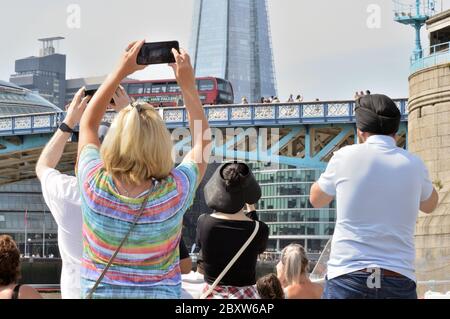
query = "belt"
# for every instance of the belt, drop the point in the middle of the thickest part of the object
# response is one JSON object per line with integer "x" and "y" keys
{"x": 384, "y": 272}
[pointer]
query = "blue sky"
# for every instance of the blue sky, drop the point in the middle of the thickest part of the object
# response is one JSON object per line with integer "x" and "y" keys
{"x": 322, "y": 48}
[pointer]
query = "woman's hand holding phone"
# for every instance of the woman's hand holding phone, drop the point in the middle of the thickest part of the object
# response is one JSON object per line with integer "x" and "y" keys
{"x": 128, "y": 62}
{"x": 183, "y": 70}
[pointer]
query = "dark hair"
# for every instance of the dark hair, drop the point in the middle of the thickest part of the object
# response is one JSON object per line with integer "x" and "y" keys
{"x": 269, "y": 287}
{"x": 233, "y": 173}
{"x": 377, "y": 114}
{"x": 9, "y": 261}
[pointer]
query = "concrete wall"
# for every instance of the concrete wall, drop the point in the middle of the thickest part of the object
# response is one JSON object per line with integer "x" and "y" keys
{"x": 429, "y": 137}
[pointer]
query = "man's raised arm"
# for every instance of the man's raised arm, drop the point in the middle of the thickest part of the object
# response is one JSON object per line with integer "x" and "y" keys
{"x": 51, "y": 155}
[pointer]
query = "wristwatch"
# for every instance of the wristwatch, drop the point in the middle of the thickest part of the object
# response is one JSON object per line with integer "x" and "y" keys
{"x": 65, "y": 128}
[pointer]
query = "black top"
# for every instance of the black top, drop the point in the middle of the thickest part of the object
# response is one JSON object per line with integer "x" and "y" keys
{"x": 220, "y": 240}
{"x": 184, "y": 253}
{"x": 252, "y": 215}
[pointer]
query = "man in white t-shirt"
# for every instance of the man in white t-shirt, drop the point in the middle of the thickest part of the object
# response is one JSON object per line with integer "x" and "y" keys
{"x": 379, "y": 189}
{"x": 62, "y": 196}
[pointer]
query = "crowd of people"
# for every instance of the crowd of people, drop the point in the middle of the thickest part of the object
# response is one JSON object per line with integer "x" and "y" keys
{"x": 275, "y": 99}
{"x": 120, "y": 219}
{"x": 298, "y": 99}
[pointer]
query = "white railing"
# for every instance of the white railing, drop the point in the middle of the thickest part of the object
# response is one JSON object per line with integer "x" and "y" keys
{"x": 218, "y": 116}
{"x": 429, "y": 57}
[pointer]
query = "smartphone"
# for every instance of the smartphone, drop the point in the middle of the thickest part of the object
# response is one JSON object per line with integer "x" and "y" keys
{"x": 92, "y": 92}
{"x": 157, "y": 53}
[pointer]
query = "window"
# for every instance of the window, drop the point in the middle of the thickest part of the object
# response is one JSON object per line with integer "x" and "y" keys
{"x": 224, "y": 86}
{"x": 173, "y": 88}
{"x": 159, "y": 88}
{"x": 148, "y": 88}
{"x": 206, "y": 85}
{"x": 137, "y": 88}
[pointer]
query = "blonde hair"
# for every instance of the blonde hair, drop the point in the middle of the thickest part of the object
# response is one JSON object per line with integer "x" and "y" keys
{"x": 138, "y": 145}
{"x": 295, "y": 262}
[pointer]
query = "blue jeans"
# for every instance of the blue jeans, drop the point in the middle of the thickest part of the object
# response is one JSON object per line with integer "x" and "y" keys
{"x": 354, "y": 286}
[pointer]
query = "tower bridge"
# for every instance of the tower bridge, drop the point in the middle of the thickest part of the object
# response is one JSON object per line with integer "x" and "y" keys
{"x": 300, "y": 135}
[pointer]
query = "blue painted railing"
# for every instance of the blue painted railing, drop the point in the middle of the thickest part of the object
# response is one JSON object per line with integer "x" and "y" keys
{"x": 275, "y": 114}
{"x": 434, "y": 55}
{"x": 26, "y": 124}
{"x": 243, "y": 115}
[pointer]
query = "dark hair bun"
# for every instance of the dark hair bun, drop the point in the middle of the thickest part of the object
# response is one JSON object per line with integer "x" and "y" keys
{"x": 233, "y": 174}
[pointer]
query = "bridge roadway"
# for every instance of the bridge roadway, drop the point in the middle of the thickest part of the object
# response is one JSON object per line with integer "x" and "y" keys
{"x": 302, "y": 135}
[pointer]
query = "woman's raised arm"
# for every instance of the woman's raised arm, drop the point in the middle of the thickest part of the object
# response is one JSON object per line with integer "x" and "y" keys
{"x": 198, "y": 123}
{"x": 97, "y": 107}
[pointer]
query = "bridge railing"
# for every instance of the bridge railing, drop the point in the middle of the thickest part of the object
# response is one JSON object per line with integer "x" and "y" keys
{"x": 239, "y": 115}
{"x": 431, "y": 56}
{"x": 25, "y": 124}
{"x": 274, "y": 114}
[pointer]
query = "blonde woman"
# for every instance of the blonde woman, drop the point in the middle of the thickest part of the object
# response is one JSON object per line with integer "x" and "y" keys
{"x": 131, "y": 193}
{"x": 292, "y": 272}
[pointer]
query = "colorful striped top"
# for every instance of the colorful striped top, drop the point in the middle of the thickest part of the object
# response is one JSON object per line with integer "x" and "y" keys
{"x": 147, "y": 266}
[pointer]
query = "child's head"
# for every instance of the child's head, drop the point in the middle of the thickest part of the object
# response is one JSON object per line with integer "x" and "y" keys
{"x": 269, "y": 287}
{"x": 294, "y": 264}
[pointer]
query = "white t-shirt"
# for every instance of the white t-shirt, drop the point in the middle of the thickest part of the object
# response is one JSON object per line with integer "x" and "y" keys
{"x": 192, "y": 285}
{"x": 378, "y": 189}
{"x": 62, "y": 196}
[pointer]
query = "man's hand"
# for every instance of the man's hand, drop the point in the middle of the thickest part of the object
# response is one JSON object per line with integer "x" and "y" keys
{"x": 121, "y": 99}
{"x": 183, "y": 70}
{"x": 76, "y": 108}
{"x": 128, "y": 63}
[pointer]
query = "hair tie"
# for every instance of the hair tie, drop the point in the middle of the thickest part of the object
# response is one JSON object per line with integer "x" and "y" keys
{"x": 137, "y": 106}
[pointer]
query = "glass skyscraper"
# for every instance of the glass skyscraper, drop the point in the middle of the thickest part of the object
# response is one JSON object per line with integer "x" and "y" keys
{"x": 231, "y": 40}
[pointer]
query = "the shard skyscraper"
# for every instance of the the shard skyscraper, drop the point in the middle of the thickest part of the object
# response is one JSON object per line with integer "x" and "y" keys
{"x": 231, "y": 40}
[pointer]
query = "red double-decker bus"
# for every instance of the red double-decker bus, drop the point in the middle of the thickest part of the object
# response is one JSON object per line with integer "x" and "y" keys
{"x": 167, "y": 93}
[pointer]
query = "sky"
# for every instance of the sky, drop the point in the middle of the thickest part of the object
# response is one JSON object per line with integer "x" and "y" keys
{"x": 322, "y": 49}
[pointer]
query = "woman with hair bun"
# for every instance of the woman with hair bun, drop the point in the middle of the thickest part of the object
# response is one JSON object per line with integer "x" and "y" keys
{"x": 224, "y": 233}
{"x": 292, "y": 270}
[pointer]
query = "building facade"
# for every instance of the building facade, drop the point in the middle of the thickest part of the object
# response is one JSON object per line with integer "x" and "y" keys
{"x": 45, "y": 74}
{"x": 429, "y": 137}
{"x": 23, "y": 212}
{"x": 25, "y": 217}
{"x": 231, "y": 40}
{"x": 285, "y": 207}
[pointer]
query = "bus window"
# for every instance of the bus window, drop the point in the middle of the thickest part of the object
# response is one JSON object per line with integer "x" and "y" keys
{"x": 136, "y": 88}
{"x": 148, "y": 88}
{"x": 224, "y": 86}
{"x": 159, "y": 88}
{"x": 206, "y": 85}
{"x": 173, "y": 88}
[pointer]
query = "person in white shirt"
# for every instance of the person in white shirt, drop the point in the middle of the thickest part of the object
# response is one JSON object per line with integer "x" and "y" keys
{"x": 192, "y": 283}
{"x": 62, "y": 196}
{"x": 379, "y": 189}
